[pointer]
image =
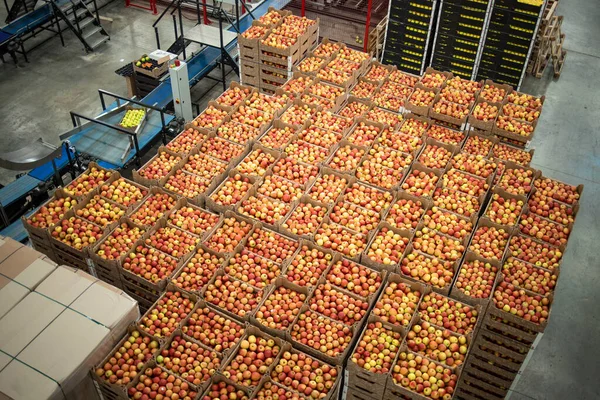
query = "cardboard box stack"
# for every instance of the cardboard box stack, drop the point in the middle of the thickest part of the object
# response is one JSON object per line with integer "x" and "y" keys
{"x": 273, "y": 46}
{"x": 62, "y": 323}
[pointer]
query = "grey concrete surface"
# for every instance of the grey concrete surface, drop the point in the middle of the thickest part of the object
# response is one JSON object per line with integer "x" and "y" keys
{"x": 35, "y": 100}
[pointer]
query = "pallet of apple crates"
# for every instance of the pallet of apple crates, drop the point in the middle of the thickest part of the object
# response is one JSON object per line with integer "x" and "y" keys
{"x": 409, "y": 27}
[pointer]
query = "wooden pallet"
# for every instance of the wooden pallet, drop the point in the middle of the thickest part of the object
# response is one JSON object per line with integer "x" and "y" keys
{"x": 549, "y": 44}
{"x": 376, "y": 38}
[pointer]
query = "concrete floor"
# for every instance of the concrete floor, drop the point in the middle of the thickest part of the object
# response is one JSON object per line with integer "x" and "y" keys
{"x": 35, "y": 100}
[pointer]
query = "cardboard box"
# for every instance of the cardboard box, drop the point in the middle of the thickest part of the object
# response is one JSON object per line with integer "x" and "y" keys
{"x": 11, "y": 293}
{"x": 7, "y": 247}
{"x": 19, "y": 381}
{"x": 65, "y": 285}
{"x": 26, "y": 267}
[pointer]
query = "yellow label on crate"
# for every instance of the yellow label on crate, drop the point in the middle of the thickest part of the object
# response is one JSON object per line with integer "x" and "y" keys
{"x": 536, "y": 3}
{"x": 415, "y": 38}
{"x": 466, "y": 50}
{"x": 468, "y": 26}
{"x": 472, "y": 18}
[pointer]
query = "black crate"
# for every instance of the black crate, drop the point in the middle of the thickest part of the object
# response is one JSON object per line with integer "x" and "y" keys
{"x": 511, "y": 21}
{"x": 511, "y": 78}
{"x": 412, "y": 3}
{"x": 518, "y": 7}
{"x": 500, "y": 41}
{"x": 453, "y": 47}
{"x": 465, "y": 13}
{"x": 395, "y": 46}
{"x": 457, "y": 67}
{"x": 503, "y": 57}
{"x": 406, "y": 64}
{"x": 472, "y": 4}
{"x": 460, "y": 28}
{"x": 402, "y": 30}
{"x": 409, "y": 12}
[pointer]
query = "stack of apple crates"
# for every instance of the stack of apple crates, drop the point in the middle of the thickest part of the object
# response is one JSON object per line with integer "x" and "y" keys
{"x": 266, "y": 67}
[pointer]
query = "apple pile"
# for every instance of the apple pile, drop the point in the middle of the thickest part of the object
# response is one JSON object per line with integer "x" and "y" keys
{"x": 387, "y": 247}
{"x": 504, "y": 211}
{"x": 232, "y": 190}
{"x": 193, "y": 219}
{"x": 434, "y": 156}
{"x": 264, "y": 209}
{"x": 485, "y": 111}
{"x": 400, "y": 141}
{"x": 445, "y": 135}
{"x": 368, "y": 197}
{"x": 528, "y": 276}
{"x": 453, "y": 110}
{"x": 354, "y": 278}
{"x": 87, "y": 181}
{"x": 478, "y": 146}
{"x": 277, "y": 138}
{"x": 298, "y": 85}
{"x": 321, "y": 333}
{"x": 420, "y": 183}
{"x": 544, "y": 229}
{"x": 228, "y": 235}
{"x": 464, "y": 85}
{"x": 123, "y": 192}
{"x": 388, "y": 101}
{"x": 519, "y": 112}
{"x": 186, "y": 141}
{"x": 100, "y": 211}
{"x": 364, "y": 89}
{"x": 474, "y": 164}
{"x": 476, "y": 279}
{"x": 405, "y": 214}
{"x": 280, "y": 308}
{"x": 448, "y": 313}
{"x": 337, "y": 76}
{"x": 509, "y": 153}
{"x": 326, "y": 49}
{"x": 271, "y": 245}
{"x": 269, "y": 19}
{"x": 493, "y": 94}
{"x": 517, "y": 181}
{"x": 252, "y": 269}
{"x": 76, "y": 232}
{"x": 331, "y": 122}
{"x": 551, "y": 209}
{"x": 430, "y": 270}
{"x": 514, "y": 126}
{"x": 421, "y": 97}
{"x": 489, "y": 242}
{"x": 303, "y": 374}
{"x": 129, "y": 359}
{"x": 519, "y": 302}
{"x": 189, "y": 360}
{"x": 346, "y": 158}
{"x": 156, "y": 383}
{"x": 377, "y": 348}
{"x": 557, "y": 190}
{"x": 414, "y": 127}
{"x": 327, "y": 188}
{"x": 424, "y": 377}
{"x": 460, "y": 97}
{"x": 119, "y": 242}
{"x": 263, "y": 102}
{"x": 294, "y": 170}
{"x": 433, "y": 79}
{"x": 337, "y": 305}
{"x": 205, "y": 166}
{"x": 354, "y": 217}
{"x": 377, "y": 73}
{"x": 317, "y": 101}
{"x": 196, "y": 273}
{"x": 224, "y": 391}
{"x": 311, "y": 64}
{"x": 384, "y": 166}
{"x": 437, "y": 344}
{"x": 397, "y": 304}
{"x": 403, "y": 78}
{"x": 456, "y": 201}
{"x": 251, "y": 116}
{"x": 252, "y": 360}
{"x": 237, "y": 132}
{"x": 278, "y": 41}
{"x": 172, "y": 241}
{"x": 387, "y": 117}
{"x": 149, "y": 263}
{"x": 395, "y": 89}
{"x": 221, "y": 149}
{"x": 525, "y": 100}
{"x": 447, "y": 223}
{"x": 354, "y": 109}
{"x": 237, "y": 297}
{"x": 257, "y": 31}
{"x": 430, "y": 242}
{"x": 256, "y": 163}
{"x": 464, "y": 182}
{"x": 234, "y": 96}
{"x": 326, "y": 91}
{"x": 364, "y": 134}
{"x": 50, "y": 213}
{"x": 186, "y": 184}
{"x": 166, "y": 315}
{"x": 306, "y": 152}
{"x": 320, "y": 137}
{"x": 280, "y": 188}
{"x": 213, "y": 330}
{"x": 338, "y": 238}
{"x": 307, "y": 266}
{"x": 305, "y": 219}
{"x": 160, "y": 166}
{"x": 210, "y": 118}
{"x": 535, "y": 252}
